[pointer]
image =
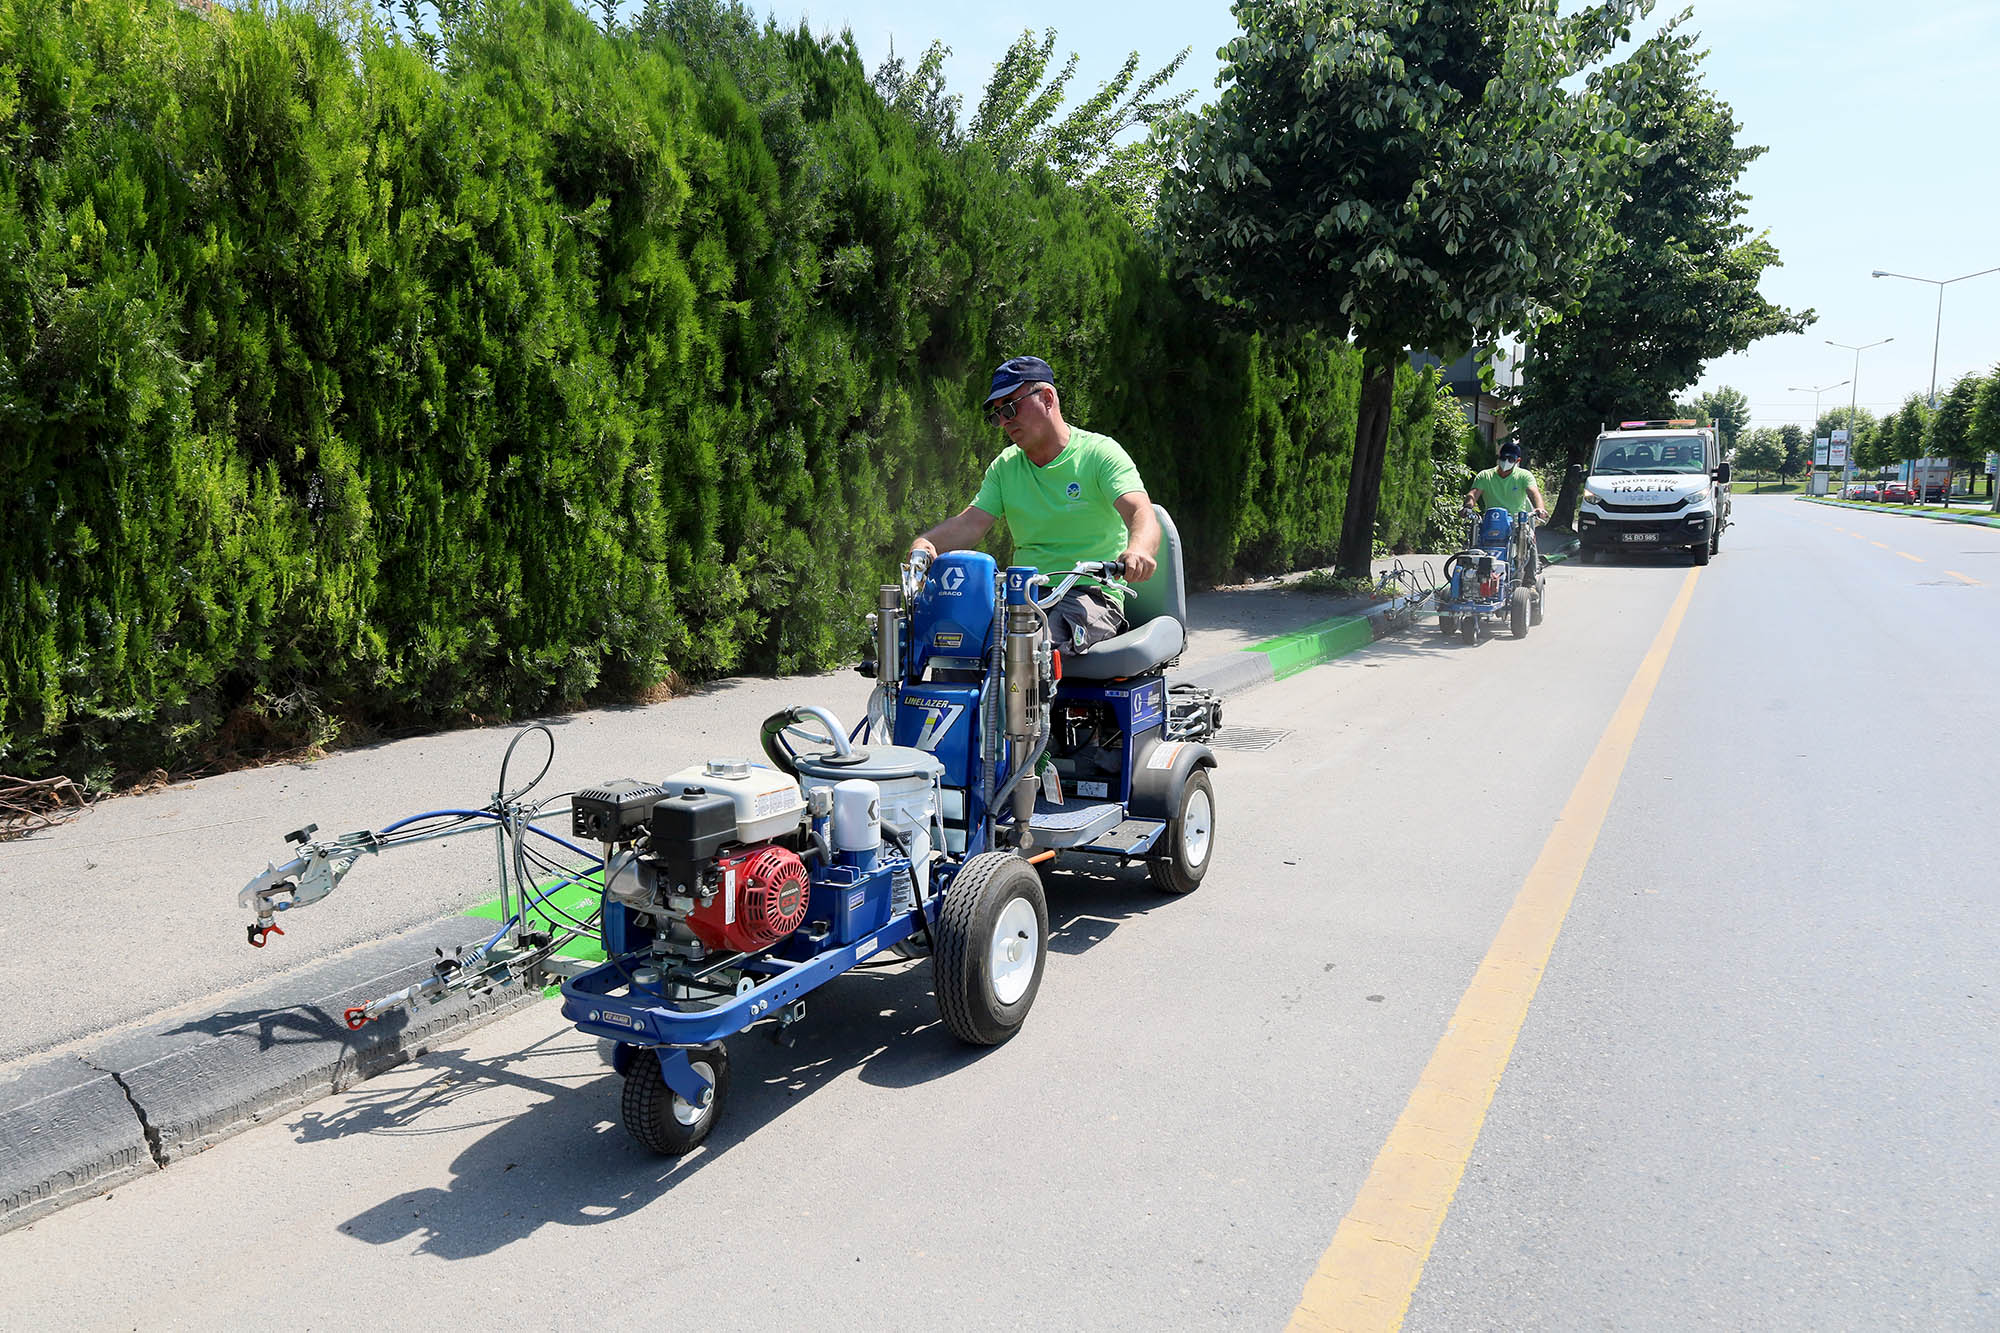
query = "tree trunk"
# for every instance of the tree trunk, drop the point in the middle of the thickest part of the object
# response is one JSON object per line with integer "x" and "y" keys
{"x": 1356, "y": 558}
{"x": 1563, "y": 516}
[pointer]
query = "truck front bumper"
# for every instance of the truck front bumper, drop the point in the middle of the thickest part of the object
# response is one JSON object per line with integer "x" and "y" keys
{"x": 1623, "y": 532}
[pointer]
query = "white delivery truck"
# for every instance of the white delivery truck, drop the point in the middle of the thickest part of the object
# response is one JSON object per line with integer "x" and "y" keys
{"x": 1654, "y": 485}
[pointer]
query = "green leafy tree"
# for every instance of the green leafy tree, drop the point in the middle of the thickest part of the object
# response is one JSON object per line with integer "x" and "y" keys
{"x": 1728, "y": 411}
{"x": 1761, "y": 451}
{"x": 1950, "y": 428}
{"x": 1983, "y": 437}
{"x": 1911, "y": 423}
{"x": 1410, "y": 175}
{"x": 1678, "y": 288}
{"x": 1798, "y": 452}
{"x": 918, "y": 91}
{"x": 1017, "y": 122}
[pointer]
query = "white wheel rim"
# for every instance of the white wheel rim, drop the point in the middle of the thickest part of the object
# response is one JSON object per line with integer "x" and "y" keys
{"x": 1197, "y": 828}
{"x": 686, "y": 1111}
{"x": 1016, "y": 945}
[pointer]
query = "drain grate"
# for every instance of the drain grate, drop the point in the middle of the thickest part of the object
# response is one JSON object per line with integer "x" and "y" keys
{"x": 1246, "y": 738}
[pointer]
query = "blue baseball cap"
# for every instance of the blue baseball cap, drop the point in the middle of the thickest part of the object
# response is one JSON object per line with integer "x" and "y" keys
{"x": 1510, "y": 450}
{"x": 1019, "y": 370}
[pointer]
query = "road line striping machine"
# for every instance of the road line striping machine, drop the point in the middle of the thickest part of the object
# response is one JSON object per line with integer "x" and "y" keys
{"x": 1492, "y": 577}
{"x": 723, "y": 893}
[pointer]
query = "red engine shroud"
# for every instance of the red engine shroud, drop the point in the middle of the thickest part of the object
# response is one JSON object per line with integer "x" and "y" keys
{"x": 762, "y": 900}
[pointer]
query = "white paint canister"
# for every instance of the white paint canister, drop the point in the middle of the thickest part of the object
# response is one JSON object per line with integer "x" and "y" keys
{"x": 857, "y": 816}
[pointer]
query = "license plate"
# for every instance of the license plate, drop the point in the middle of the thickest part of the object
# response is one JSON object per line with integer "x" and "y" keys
{"x": 1639, "y": 536}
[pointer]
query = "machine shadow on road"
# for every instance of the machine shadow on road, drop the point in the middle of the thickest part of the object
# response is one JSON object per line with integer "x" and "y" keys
{"x": 1090, "y": 897}
{"x": 564, "y": 1161}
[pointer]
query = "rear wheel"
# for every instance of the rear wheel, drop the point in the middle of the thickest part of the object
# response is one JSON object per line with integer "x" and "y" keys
{"x": 1715, "y": 542}
{"x": 1189, "y": 838}
{"x": 991, "y": 940}
{"x": 1535, "y": 609}
{"x": 1518, "y": 611}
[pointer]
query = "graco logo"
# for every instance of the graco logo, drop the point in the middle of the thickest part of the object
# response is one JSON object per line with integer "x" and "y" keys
{"x": 954, "y": 579}
{"x": 1075, "y": 490}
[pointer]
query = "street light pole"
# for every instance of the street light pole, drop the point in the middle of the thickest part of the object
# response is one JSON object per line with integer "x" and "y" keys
{"x": 1800, "y": 388}
{"x": 1854, "y": 399}
{"x": 1937, "y": 329}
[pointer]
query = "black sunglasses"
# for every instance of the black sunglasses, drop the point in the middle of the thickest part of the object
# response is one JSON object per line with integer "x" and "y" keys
{"x": 1006, "y": 411}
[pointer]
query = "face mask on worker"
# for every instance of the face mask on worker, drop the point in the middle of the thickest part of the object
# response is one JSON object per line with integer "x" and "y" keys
{"x": 1506, "y": 466}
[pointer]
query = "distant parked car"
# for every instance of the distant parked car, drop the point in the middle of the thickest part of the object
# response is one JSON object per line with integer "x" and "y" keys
{"x": 1862, "y": 491}
{"x": 1898, "y": 493}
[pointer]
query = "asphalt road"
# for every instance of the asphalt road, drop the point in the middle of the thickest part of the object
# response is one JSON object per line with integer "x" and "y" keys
{"x": 1756, "y": 1085}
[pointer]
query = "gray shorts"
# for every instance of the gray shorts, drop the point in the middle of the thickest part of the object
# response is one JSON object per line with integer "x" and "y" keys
{"x": 1084, "y": 617}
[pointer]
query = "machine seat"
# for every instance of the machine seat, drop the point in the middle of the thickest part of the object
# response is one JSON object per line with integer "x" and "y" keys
{"x": 1157, "y": 612}
{"x": 1132, "y": 653}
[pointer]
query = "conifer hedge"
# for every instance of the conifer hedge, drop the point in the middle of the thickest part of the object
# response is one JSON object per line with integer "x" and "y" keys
{"x": 345, "y": 380}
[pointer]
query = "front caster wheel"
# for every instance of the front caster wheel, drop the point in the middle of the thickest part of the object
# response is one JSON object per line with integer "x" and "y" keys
{"x": 991, "y": 939}
{"x": 665, "y": 1121}
{"x": 1189, "y": 837}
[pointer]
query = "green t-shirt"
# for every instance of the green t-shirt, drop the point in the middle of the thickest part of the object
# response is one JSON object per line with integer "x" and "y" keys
{"x": 1509, "y": 492}
{"x": 1062, "y": 513}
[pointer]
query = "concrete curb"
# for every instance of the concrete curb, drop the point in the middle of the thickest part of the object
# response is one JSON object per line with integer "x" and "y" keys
{"x": 75, "y": 1125}
{"x": 1986, "y": 520}
{"x": 1313, "y": 645}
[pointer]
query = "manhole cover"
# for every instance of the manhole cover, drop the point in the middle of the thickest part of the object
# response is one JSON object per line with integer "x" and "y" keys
{"x": 1246, "y": 738}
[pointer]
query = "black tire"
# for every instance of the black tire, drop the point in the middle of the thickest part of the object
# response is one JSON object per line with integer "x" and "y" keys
{"x": 659, "y": 1118}
{"x": 1447, "y": 625}
{"x": 1189, "y": 839}
{"x": 1518, "y": 611}
{"x": 1468, "y": 629}
{"x": 996, "y": 892}
{"x": 1586, "y": 555}
{"x": 1541, "y": 596}
{"x": 1715, "y": 542}
{"x": 1698, "y": 553}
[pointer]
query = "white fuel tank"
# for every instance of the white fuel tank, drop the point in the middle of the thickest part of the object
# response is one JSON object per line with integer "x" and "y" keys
{"x": 768, "y": 804}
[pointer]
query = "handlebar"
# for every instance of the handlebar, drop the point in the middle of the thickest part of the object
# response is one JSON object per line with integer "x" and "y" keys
{"x": 1102, "y": 570}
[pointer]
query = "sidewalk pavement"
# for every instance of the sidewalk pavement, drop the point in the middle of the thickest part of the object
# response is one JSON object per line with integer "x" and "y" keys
{"x": 144, "y": 1029}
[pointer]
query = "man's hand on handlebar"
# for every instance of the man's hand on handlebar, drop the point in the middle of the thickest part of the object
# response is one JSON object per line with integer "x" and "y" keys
{"x": 1138, "y": 566}
{"x": 921, "y": 546}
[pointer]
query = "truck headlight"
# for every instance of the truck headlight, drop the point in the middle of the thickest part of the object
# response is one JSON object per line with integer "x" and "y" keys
{"x": 1591, "y": 497}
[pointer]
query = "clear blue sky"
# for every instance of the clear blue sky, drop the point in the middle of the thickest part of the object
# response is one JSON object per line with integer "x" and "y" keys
{"x": 1881, "y": 121}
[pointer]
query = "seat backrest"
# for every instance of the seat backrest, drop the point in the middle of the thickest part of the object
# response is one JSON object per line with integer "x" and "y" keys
{"x": 1164, "y": 594}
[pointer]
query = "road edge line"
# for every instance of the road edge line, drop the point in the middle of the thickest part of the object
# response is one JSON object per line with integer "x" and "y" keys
{"x": 1369, "y": 1273}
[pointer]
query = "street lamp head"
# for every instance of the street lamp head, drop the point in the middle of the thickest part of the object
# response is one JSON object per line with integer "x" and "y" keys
{"x": 1876, "y": 274}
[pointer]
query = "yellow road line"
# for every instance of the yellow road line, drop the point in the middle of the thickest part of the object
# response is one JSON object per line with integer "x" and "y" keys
{"x": 1907, "y": 556}
{"x": 1883, "y": 545}
{"x": 1368, "y": 1274}
{"x": 1965, "y": 578}
{"x": 1858, "y": 537}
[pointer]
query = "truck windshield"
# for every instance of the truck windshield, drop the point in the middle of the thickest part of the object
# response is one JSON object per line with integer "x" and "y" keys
{"x": 1655, "y": 454}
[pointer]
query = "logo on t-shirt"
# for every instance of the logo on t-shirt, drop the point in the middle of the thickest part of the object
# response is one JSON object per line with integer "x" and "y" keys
{"x": 1074, "y": 489}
